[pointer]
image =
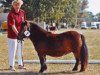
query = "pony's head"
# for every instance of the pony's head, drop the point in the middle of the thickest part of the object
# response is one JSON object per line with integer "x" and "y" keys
{"x": 24, "y": 31}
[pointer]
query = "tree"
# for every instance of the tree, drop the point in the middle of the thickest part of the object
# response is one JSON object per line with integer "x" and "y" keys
{"x": 89, "y": 17}
{"x": 6, "y": 3}
{"x": 82, "y": 13}
{"x": 98, "y": 16}
{"x": 71, "y": 12}
{"x": 40, "y": 8}
{"x": 50, "y": 9}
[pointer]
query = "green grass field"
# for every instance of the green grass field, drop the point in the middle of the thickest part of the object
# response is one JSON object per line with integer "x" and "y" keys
{"x": 93, "y": 43}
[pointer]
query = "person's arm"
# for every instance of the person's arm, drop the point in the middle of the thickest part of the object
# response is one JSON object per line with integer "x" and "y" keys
{"x": 11, "y": 22}
{"x": 14, "y": 29}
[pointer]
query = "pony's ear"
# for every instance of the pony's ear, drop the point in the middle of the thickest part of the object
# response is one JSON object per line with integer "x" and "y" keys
{"x": 24, "y": 23}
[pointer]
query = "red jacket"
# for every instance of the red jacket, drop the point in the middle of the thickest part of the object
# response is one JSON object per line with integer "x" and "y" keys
{"x": 15, "y": 19}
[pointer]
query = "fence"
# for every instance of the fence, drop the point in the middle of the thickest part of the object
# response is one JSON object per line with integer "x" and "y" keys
{"x": 61, "y": 61}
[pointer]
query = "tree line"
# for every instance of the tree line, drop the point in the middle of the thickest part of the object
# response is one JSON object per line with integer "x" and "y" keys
{"x": 53, "y": 10}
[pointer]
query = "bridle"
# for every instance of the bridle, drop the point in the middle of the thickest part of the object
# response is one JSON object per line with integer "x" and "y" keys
{"x": 25, "y": 31}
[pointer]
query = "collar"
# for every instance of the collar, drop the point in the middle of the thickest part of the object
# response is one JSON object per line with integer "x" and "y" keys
{"x": 17, "y": 12}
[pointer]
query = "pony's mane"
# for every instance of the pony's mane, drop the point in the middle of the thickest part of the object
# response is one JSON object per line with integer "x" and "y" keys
{"x": 38, "y": 27}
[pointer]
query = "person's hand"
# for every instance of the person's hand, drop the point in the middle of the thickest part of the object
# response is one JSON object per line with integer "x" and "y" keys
{"x": 19, "y": 37}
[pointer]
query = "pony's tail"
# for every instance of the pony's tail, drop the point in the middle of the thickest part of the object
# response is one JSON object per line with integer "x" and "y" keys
{"x": 83, "y": 54}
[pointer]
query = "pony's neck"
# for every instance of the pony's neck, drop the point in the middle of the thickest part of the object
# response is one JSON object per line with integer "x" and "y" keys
{"x": 37, "y": 32}
{"x": 38, "y": 28}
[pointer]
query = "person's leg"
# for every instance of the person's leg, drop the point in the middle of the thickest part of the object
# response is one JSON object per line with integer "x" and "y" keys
{"x": 12, "y": 46}
{"x": 20, "y": 54}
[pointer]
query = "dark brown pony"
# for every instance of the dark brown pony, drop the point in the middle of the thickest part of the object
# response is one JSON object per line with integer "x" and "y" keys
{"x": 56, "y": 45}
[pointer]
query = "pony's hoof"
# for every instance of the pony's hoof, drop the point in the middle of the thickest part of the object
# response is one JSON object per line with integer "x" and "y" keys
{"x": 82, "y": 70}
{"x": 74, "y": 69}
{"x": 45, "y": 68}
{"x": 41, "y": 71}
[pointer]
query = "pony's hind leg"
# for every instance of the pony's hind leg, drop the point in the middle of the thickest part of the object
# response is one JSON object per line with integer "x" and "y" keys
{"x": 84, "y": 61}
{"x": 77, "y": 62}
{"x": 43, "y": 63}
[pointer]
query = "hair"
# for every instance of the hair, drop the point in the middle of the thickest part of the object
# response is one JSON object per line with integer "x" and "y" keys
{"x": 17, "y": 1}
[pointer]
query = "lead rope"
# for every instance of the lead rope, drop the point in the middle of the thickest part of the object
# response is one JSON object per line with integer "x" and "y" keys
{"x": 20, "y": 41}
{"x": 22, "y": 52}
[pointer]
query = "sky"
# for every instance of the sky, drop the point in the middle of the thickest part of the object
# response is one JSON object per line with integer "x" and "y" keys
{"x": 94, "y": 6}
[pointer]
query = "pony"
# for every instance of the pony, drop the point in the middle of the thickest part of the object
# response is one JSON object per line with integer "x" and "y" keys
{"x": 56, "y": 45}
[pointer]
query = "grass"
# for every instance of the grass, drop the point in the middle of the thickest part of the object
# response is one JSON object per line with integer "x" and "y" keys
{"x": 93, "y": 43}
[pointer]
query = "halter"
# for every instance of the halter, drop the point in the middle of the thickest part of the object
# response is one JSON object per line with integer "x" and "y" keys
{"x": 25, "y": 33}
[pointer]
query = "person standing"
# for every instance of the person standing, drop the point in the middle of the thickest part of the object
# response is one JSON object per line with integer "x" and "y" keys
{"x": 15, "y": 17}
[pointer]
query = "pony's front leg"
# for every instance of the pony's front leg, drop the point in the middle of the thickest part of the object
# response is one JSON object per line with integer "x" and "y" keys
{"x": 43, "y": 63}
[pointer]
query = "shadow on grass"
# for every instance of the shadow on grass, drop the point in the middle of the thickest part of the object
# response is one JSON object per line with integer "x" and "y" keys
{"x": 19, "y": 73}
{"x": 35, "y": 73}
{"x": 61, "y": 72}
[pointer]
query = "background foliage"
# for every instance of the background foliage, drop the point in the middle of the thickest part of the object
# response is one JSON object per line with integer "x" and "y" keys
{"x": 52, "y": 10}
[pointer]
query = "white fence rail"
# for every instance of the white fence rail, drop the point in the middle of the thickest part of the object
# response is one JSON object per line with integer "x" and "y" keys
{"x": 61, "y": 61}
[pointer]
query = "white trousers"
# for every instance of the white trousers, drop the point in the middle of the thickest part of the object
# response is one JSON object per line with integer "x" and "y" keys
{"x": 14, "y": 46}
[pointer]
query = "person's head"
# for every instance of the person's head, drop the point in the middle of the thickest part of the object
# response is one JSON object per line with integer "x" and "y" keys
{"x": 17, "y": 4}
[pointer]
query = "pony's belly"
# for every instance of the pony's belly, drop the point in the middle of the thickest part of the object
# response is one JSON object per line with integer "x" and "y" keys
{"x": 57, "y": 53}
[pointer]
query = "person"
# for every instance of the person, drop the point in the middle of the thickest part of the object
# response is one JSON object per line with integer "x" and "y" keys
{"x": 15, "y": 17}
